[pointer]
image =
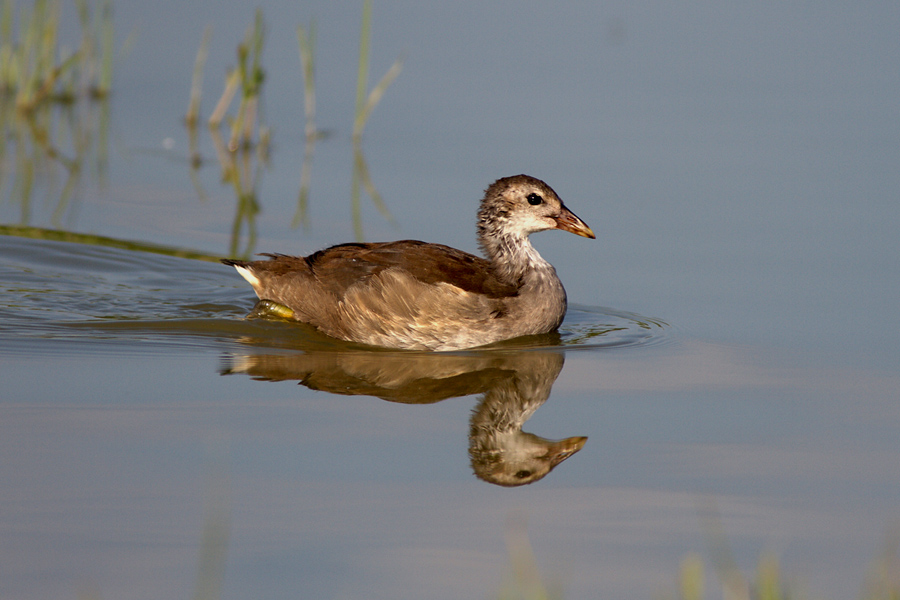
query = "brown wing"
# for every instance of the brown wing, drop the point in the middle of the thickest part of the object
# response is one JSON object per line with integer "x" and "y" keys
{"x": 339, "y": 267}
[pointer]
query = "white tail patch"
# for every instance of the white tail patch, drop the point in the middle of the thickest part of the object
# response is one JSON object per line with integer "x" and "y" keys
{"x": 240, "y": 364}
{"x": 248, "y": 275}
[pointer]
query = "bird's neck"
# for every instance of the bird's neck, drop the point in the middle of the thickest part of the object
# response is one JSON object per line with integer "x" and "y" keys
{"x": 515, "y": 260}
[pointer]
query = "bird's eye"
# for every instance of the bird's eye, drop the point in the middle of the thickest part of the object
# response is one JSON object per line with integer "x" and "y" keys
{"x": 523, "y": 474}
{"x": 534, "y": 199}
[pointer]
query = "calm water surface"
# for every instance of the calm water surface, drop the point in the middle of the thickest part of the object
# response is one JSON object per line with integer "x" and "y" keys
{"x": 730, "y": 355}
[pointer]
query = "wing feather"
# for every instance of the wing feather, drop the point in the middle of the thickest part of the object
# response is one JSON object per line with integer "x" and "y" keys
{"x": 339, "y": 267}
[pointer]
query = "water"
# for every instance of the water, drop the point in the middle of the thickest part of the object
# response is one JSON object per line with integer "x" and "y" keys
{"x": 730, "y": 352}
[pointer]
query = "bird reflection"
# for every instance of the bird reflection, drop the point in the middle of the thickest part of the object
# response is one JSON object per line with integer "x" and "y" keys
{"x": 513, "y": 384}
{"x": 500, "y": 451}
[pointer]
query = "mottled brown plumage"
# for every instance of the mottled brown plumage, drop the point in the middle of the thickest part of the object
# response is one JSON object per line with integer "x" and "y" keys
{"x": 416, "y": 295}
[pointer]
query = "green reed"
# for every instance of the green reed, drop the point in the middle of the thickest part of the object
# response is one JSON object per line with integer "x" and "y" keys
{"x": 248, "y": 78}
{"x": 882, "y": 582}
{"x": 242, "y": 158}
{"x": 366, "y": 101}
{"x": 35, "y": 67}
{"x": 244, "y": 154}
{"x": 365, "y": 104}
{"x": 53, "y": 109}
{"x": 523, "y": 580}
{"x": 193, "y": 112}
{"x": 769, "y": 583}
{"x": 306, "y": 41}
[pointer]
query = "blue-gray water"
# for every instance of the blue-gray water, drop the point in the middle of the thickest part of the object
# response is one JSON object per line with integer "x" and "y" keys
{"x": 733, "y": 339}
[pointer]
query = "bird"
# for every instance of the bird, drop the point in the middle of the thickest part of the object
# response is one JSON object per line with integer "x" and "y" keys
{"x": 414, "y": 295}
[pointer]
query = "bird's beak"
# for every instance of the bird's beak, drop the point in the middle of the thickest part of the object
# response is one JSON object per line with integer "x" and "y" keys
{"x": 562, "y": 449}
{"x": 567, "y": 221}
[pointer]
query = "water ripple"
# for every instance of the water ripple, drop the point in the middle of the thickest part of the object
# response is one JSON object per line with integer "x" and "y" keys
{"x": 109, "y": 299}
{"x": 588, "y": 327}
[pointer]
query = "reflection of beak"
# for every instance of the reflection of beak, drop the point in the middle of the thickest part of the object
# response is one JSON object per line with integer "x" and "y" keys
{"x": 562, "y": 449}
{"x": 567, "y": 221}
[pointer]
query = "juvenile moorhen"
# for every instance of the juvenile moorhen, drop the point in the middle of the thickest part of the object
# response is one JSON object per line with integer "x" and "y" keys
{"x": 419, "y": 296}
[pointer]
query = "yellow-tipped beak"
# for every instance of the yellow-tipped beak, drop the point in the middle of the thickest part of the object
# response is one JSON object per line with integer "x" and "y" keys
{"x": 567, "y": 221}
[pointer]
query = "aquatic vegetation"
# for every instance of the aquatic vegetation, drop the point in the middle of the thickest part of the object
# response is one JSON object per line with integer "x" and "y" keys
{"x": 307, "y": 43}
{"x": 193, "y": 112}
{"x": 365, "y": 104}
{"x": 881, "y": 583}
{"x": 35, "y": 67}
{"x": 248, "y": 76}
{"x": 523, "y": 581}
{"x": 245, "y": 154}
{"x": 769, "y": 584}
{"x": 247, "y": 129}
{"x": 55, "y": 235}
{"x": 53, "y": 110}
{"x": 883, "y": 579}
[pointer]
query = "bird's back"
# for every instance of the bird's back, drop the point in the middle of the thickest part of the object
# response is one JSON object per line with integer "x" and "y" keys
{"x": 405, "y": 294}
{"x": 340, "y": 267}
